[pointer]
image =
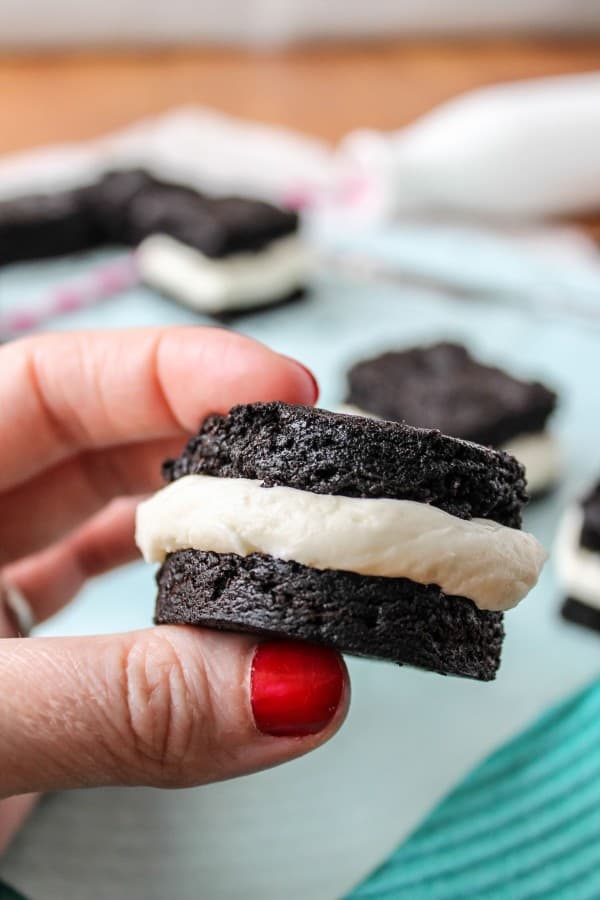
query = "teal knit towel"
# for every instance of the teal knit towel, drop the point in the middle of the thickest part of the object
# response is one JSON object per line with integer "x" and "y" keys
{"x": 524, "y": 824}
{"x": 8, "y": 893}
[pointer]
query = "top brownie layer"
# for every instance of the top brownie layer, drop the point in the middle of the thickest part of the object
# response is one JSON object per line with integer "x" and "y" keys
{"x": 124, "y": 207}
{"x": 131, "y": 205}
{"x": 590, "y": 531}
{"x": 216, "y": 226}
{"x": 328, "y": 453}
{"x": 442, "y": 386}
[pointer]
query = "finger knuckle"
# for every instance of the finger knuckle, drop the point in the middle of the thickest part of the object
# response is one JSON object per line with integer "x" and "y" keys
{"x": 165, "y": 715}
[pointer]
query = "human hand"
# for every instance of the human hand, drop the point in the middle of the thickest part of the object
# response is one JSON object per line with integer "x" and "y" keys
{"x": 86, "y": 421}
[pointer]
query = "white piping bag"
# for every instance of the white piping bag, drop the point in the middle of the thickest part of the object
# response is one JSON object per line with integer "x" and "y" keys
{"x": 520, "y": 150}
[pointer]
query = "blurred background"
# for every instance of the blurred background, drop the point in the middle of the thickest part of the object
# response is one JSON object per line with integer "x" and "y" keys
{"x": 444, "y": 157}
{"x": 81, "y": 70}
{"x": 263, "y": 22}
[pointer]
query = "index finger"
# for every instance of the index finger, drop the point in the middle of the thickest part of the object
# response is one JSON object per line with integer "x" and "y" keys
{"x": 61, "y": 394}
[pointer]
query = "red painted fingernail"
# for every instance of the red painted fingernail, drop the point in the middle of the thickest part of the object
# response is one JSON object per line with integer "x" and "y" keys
{"x": 296, "y": 688}
{"x": 312, "y": 381}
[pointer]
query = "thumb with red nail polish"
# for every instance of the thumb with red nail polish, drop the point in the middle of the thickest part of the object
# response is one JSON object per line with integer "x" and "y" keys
{"x": 172, "y": 706}
{"x": 296, "y": 688}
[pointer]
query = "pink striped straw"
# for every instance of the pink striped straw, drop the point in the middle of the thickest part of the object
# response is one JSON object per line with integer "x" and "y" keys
{"x": 351, "y": 191}
{"x": 100, "y": 284}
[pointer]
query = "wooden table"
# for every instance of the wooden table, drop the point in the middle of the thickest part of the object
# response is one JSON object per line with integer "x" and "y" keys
{"x": 325, "y": 90}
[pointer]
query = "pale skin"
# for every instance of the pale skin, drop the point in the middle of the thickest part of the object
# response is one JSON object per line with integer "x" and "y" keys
{"x": 86, "y": 419}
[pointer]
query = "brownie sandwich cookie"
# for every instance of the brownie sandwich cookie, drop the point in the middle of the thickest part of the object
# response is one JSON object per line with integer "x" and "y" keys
{"x": 373, "y": 537}
{"x": 577, "y": 555}
{"x": 225, "y": 257}
{"x": 443, "y": 386}
{"x": 217, "y": 255}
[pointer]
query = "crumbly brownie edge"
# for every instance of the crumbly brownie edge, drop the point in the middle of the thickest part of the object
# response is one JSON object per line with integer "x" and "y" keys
{"x": 328, "y": 453}
{"x": 392, "y": 619}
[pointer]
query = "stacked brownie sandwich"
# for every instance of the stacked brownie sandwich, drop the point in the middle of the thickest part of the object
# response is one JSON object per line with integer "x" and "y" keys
{"x": 218, "y": 255}
{"x": 373, "y": 537}
{"x": 443, "y": 386}
{"x": 578, "y": 560}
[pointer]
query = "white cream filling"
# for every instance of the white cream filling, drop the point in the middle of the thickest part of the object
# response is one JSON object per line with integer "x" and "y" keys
{"x": 491, "y": 564}
{"x": 230, "y": 282}
{"x": 538, "y": 452}
{"x": 578, "y": 568}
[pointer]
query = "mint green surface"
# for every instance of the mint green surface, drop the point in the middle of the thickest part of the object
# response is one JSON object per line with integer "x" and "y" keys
{"x": 313, "y": 829}
{"x": 525, "y": 824}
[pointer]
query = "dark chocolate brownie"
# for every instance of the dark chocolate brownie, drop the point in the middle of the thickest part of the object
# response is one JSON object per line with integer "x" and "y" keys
{"x": 183, "y": 216}
{"x": 388, "y": 618}
{"x": 46, "y": 225}
{"x": 216, "y": 226}
{"x": 124, "y": 207}
{"x": 581, "y": 614}
{"x": 110, "y": 199}
{"x": 590, "y": 531}
{"x": 442, "y": 386}
{"x": 252, "y": 224}
{"x": 328, "y": 453}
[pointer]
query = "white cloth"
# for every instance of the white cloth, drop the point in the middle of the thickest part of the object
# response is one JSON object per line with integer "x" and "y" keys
{"x": 198, "y": 146}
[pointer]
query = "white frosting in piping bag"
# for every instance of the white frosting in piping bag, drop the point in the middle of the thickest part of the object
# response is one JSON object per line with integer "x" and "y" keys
{"x": 491, "y": 564}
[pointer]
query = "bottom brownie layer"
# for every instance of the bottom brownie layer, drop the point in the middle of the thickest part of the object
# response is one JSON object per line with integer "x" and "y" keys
{"x": 575, "y": 611}
{"x": 228, "y": 315}
{"x": 387, "y": 618}
{"x": 300, "y": 293}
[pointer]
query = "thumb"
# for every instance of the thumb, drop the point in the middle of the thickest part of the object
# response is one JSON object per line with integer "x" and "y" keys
{"x": 170, "y": 706}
